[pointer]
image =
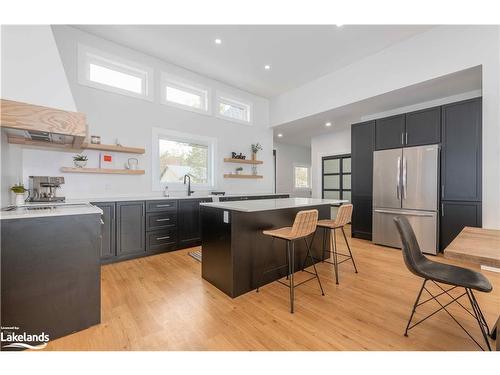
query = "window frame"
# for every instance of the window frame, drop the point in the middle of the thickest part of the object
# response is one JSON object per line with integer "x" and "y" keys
{"x": 341, "y": 174}
{"x": 160, "y": 133}
{"x": 187, "y": 86}
{"x": 233, "y": 100}
{"x": 88, "y": 55}
{"x": 301, "y": 165}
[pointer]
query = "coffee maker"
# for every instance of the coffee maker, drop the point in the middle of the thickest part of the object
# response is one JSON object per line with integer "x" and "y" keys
{"x": 43, "y": 189}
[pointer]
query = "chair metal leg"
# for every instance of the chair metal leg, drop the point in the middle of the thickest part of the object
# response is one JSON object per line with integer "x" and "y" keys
{"x": 314, "y": 266}
{"x": 309, "y": 253}
{"x": 323, "y": 248}
{"x": 291, "y": 256}
{"x": 350, "y": 253}
{"x": 335, "y": 260}
{"x": 415, "y": 307}
{"x": 479, "y": 317}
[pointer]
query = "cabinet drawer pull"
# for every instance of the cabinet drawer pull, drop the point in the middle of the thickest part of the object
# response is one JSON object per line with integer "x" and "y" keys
{"x": 162, "y": 238}
{"x": 163, "y": 205}
{"x": 167, "y": 219}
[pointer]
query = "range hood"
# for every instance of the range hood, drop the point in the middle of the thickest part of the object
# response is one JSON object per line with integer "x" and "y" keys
{"x": 38, "y": 126}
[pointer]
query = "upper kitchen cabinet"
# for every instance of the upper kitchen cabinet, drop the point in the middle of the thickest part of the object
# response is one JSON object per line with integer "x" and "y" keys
{"x": 423, "y": 127}
{"x": 461, "y": 151}
{"x": 389, "y": 132}
{"x": 32, "y": 123}
{"x": 362, "y": 146}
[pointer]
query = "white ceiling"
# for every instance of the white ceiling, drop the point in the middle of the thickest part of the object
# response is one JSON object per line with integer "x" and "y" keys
{"x": 300, "y": 132}
{"x": 297, "y": 54}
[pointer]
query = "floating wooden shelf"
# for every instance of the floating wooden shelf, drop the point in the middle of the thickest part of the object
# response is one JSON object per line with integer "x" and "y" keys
{"x": 114, "y": 148}
{"x": 243, "y": 161}
{"x": 101, "y": 170}
{"x": 242, "y": 176}
{"x": 71, "y": 148}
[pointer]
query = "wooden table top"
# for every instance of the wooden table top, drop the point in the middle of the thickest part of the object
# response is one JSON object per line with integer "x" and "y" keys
{"x": 476, "y": 245}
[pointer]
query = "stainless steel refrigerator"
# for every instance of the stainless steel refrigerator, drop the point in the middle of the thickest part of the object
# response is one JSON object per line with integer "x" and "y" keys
{"x": 405, "y": 183}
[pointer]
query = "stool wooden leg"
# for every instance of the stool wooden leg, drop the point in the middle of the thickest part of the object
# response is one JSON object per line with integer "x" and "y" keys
{"x": 350, "y": 253}
{"x": 335, "y": 260}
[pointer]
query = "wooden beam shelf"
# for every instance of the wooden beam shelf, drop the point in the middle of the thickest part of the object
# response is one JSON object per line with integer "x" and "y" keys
{"x": 101, "y": 170}
{"x": 243, "y": 161}
{"x": 114, "y": 148}
{"x": 227, "y": 175}
{"x": 71, "y": 148}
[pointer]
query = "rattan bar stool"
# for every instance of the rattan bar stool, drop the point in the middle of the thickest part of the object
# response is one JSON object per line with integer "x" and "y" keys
{"x": 304, "y": 226}
{"x": 343, "y": 218}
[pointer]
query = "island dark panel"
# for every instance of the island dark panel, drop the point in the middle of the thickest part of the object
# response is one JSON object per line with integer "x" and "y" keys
{"x": 236, "y": 253}
{"x": 51, "y": 274}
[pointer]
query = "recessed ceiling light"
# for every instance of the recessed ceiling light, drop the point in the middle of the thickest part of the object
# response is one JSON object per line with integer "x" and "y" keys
{"x": 218, "y": 41}
{"x": 280, "y": 135}
{"x": 328, "y": 124}
{"x": 267, "y": 67}
{"x": 339, "y": 25}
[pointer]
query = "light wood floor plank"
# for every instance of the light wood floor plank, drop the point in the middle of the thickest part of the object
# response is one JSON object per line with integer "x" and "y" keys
{"x": 162, "y": 303}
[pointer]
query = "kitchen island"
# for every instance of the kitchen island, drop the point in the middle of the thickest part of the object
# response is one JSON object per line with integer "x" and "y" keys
{"x": 234, "y": 250}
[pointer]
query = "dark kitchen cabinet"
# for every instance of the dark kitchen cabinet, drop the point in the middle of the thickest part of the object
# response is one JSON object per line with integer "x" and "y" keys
{"x": 389, "y": 132}
{"x": 461, "y": 151}
{"x": 130, "y": 228}
{"x": 108, "y": 248}
{"x": 455, "y": 216}
{"x": 189, "y": 224}
{"x": 423, "y": 127}
{"x": 362, "y": 147}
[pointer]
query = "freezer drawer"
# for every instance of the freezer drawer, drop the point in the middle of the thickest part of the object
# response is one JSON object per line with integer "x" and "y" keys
{"x": 424, "y": 224}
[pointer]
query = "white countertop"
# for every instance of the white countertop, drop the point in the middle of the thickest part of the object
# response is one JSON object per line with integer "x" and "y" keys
{"x": 272, "y": 204}
{"x": 33, "y": 210}
{"x": 160, "y": 197}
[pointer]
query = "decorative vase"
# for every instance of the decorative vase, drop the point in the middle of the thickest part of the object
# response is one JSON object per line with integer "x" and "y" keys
{"x": 254, "y": 170}
{"x": 254, "y": 156}
{"x": 19, "y": 199}
{"x": 80, "y": 163}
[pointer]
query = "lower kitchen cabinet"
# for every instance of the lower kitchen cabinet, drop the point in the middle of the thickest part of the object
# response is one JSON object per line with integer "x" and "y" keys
{"x": 455, "y": 216}
{"x": 108, "y": 236}
{"x": 161, "y": 240}
{"x": 130, "y": 228}
{"x": 189, "y": 225}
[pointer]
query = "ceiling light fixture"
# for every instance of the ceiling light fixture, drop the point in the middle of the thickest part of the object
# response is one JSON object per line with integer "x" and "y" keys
{"x": 218, "y": 41}
{"x": 328, "y": 124}
{"x": 267, "y": 67}
{"x": 280, "y": 135}
{"x": 339, "y": 25}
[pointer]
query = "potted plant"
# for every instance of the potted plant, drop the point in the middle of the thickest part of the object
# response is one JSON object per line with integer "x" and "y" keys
{"x": 239, "y": 170}
{"x": 80, "y": 160}
{"x": 256, "y": 147}
{"x": 19, "y": 190}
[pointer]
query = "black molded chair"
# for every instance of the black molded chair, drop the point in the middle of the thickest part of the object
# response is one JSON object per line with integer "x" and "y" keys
{"x": 441, "y": 273}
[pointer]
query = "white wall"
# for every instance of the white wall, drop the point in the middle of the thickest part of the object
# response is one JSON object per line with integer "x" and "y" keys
{"x": 32, "y": 72}
{"x": 131, "y": 120}
{"x": 287, "y": 156}
{"x": 440, "y": 51}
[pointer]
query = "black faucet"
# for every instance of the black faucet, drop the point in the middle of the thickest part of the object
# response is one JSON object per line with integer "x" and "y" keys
{"x": 189, "y": 184}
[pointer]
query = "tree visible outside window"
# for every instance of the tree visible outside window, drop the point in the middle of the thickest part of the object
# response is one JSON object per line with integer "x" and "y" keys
{"x": 301, "y": 176}
{"x": 180, "y": 158}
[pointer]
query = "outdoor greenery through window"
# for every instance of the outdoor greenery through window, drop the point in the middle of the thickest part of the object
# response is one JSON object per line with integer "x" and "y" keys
{"x": 180, "y": 158}
{"x": 301, "y": 177}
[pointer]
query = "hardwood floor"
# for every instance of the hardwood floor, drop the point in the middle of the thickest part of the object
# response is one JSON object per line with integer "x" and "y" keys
{"x": 162, "y": 303}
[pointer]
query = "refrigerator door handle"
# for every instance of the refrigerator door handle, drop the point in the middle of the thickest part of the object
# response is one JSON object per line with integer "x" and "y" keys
{"x": 405, "y": 171}
{"x": 398, "y": 171}
{"x": 407, "y": 213}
